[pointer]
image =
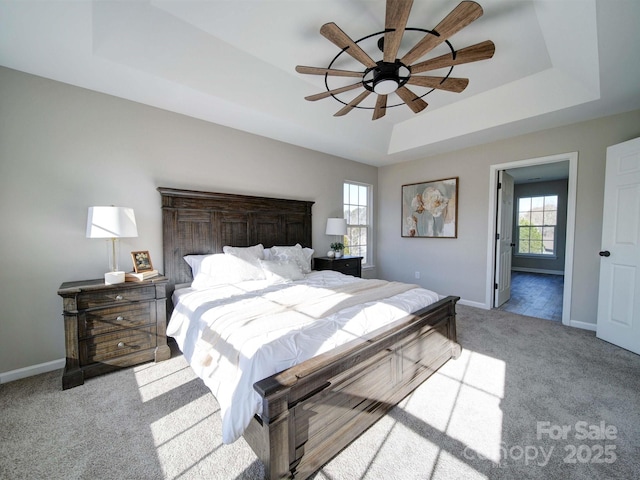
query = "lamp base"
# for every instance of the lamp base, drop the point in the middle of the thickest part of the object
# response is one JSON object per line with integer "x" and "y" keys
{"x": 113, "y": 278}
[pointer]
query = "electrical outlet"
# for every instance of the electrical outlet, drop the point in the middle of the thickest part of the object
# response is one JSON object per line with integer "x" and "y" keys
{"x": 417, "y": 274}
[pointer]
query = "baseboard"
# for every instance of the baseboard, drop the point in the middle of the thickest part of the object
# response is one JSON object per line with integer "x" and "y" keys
{"x": 25, "y": 372}
{"x": 583, "y": 325}
{"x": 572, "y": 323}
{"x": 470, "y": 303}
{"x": 537, "y": 270}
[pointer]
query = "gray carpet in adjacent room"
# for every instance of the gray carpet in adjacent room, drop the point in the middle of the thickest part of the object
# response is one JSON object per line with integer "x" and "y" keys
{"x": 477, "y": 417}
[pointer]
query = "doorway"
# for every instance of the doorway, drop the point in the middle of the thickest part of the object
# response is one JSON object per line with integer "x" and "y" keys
{"x": 532, "y": 168}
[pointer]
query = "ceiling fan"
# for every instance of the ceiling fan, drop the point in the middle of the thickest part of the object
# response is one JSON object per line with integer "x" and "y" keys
{"x": 392, "y": 75}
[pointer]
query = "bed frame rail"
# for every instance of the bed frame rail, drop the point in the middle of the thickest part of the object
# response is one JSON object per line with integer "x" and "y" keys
{"x": 315, "y": 409}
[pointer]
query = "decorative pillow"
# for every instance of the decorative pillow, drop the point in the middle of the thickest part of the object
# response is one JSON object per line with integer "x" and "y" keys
{"x": 281, "y": 272}
{"x": 218, "y": 269}
{"x": 308, "y": 256}
{"x": 296, "y": 253}
{"x": 250, "y": 257}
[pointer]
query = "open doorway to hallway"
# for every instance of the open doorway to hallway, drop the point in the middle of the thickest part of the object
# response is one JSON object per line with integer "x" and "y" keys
{"x": 539, "y": 240}
{"x": 540, "y": 279}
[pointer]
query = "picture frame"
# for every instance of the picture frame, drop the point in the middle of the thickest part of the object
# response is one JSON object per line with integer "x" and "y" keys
{"x": 141, "y": 261}
{"x": 430, "y": 209}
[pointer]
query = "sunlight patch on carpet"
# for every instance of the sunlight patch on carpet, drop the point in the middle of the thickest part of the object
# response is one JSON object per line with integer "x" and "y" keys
{"x": 154, "y": 381}
{"x": 476, "y": 418}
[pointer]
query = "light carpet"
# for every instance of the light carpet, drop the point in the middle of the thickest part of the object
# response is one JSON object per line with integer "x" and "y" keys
{"x": 528, "y": 398}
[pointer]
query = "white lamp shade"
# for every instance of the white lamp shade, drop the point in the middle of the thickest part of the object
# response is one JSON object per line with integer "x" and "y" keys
{"x": 111, "y": 222}
{"x": 336, "y": 226}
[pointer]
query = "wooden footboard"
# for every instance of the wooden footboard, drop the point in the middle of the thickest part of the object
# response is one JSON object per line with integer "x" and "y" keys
{"x": 315, "y": 409}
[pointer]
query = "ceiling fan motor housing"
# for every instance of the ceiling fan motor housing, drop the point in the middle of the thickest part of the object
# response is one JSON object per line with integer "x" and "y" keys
{"x": 386, "y": 77}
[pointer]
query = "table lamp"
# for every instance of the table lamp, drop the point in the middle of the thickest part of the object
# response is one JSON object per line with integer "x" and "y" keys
{"x": 112, "y": 223}
{"x": 337, "y": 227}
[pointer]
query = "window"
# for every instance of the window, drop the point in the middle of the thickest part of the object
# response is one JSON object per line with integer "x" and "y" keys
{"x": 537, "y": 221}
{"x": 357, "y": 211}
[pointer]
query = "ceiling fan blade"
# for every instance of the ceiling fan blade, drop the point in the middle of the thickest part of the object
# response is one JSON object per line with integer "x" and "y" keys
{"x": 328, "y": 71}
{"x": 474, "y": 53}
{"x": 352, "y": 104}
{"x": 396, "y": 18}
{"x": 456, "y": 85}
{"x": 411, "y": 99}
{"x": 461, "y": 16}
{"x": 333, "y": 33}
{"x": 320, "y": 96}
{"x": 381, "y": 107}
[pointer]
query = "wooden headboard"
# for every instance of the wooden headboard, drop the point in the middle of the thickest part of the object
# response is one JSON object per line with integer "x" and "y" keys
{"x": 203, "y": 222}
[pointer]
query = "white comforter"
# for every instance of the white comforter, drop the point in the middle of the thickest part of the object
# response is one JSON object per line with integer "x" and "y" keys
{"x": 235, "y": 335}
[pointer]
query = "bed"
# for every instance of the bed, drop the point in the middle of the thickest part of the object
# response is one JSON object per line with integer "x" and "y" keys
{"x": 307, "y": 412}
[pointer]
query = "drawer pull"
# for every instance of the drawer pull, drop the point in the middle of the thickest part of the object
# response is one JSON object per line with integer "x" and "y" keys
{"x": 119, "y": 318}
{"x": 119, "y": 297}
{"x": 120, "y": 344}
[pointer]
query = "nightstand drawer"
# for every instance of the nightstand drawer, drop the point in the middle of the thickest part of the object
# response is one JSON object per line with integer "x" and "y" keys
{"x": 349, "y": 265}
{"x": 112, "y": 345}
{"x": 350, "y": 268}
{"x": 115, "y": 296}
{"x": 110, "y": 319}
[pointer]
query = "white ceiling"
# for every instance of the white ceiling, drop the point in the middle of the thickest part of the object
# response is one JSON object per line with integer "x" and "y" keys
{"x": 232, "y": 62}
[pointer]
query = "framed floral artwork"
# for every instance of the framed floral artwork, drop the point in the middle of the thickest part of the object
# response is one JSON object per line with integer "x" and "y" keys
{"x": 141, "y": 261}
{"x": 430, "y": 209}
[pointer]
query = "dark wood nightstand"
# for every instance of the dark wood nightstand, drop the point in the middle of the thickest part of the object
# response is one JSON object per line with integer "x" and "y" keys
{"x": 107, "y": 327}
{"x": 347, "y": 265}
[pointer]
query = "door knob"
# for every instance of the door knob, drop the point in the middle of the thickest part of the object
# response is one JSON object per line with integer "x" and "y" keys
{"x": 605, "y": 253}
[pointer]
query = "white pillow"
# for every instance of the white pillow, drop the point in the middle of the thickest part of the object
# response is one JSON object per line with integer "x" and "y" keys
{"x": 218, "y": 269}
{"x": 296, "y": 253}
{"x": 194, "y": 262}
{"x": 281, "y": 272}
{"x": 250, "y": 254}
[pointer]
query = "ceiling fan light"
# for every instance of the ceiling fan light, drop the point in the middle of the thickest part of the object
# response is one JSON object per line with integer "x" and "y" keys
{"x": 385, "y": 86}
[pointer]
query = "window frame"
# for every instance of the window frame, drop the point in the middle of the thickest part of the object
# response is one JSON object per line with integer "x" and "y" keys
{"x": 517, "y": 252}
{"x": 367, "y": 260}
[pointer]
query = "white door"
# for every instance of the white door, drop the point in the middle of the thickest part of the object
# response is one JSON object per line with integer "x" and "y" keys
{"x": 504, "y": 242}
{"x": 619, "y": 294}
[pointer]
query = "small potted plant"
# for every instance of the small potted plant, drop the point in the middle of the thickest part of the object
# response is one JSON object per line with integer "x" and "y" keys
{"x": 337, "y": 248}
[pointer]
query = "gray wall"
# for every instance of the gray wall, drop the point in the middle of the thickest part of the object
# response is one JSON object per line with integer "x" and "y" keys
{"x": 552, "y": 264}
{"x": 63, "y": 149}
{"x": 459, "y": 266}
